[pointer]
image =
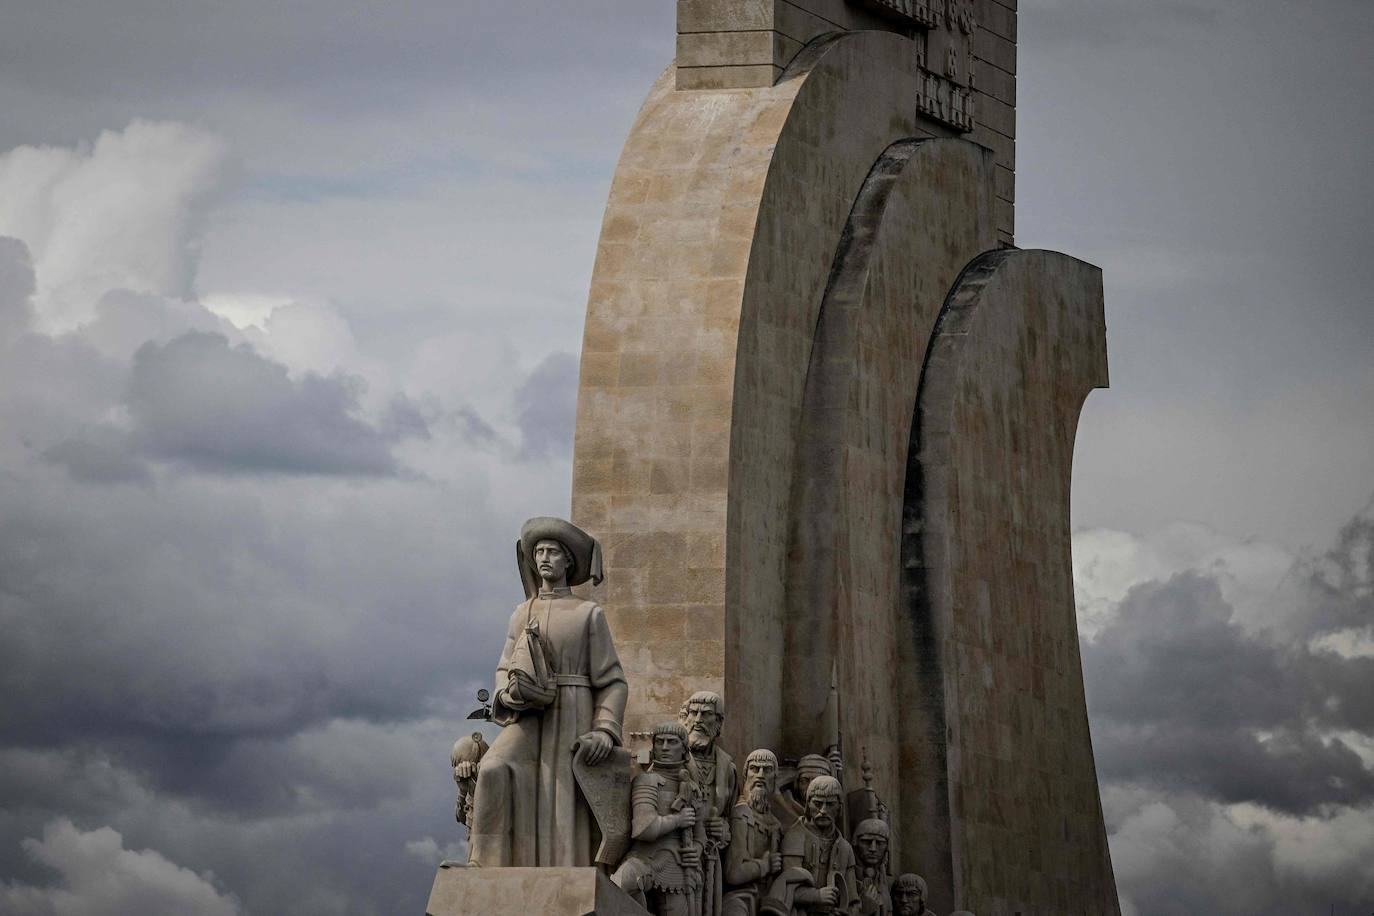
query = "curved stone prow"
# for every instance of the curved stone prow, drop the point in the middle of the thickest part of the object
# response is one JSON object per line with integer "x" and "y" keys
{"x": 988, "y": 589}
{"x": 772, "y": 289}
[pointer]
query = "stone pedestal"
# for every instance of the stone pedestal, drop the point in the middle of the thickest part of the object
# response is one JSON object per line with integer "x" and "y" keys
{"x": 527, "y": 892}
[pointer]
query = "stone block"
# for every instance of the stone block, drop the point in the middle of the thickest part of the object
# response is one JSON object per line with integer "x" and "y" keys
{"x": 723, "y": 15}
{"x": 526, "y": 892}
{"x": 992, "y": 49}
{"x": 747, "y": 77}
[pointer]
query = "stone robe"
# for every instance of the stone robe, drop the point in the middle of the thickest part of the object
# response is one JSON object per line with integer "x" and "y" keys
{"x": 722, "y": 790}
{"x": 875, "y": 891}
{"x": 528, "y": 810}
{"x": 753, "y": 836}
{"x": 824, "y": 860}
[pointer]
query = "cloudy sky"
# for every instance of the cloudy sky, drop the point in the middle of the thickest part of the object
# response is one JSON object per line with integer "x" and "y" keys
{"x": 290, "y": 305}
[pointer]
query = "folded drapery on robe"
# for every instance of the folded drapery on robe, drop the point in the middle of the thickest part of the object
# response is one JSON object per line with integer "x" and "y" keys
{"x": 528, "y": 810}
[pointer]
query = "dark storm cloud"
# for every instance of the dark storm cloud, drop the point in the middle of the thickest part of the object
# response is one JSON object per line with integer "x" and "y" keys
{"x": 1230, "y": 754}
{"x": 547, "y": 407}
{"x": 99, "y": 456}
{"x": 1183, "y": 698}
{"x": 199, "y": 401}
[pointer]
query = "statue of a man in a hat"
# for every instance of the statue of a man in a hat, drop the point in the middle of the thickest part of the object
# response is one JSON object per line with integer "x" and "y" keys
{"x": 559, "y": 683}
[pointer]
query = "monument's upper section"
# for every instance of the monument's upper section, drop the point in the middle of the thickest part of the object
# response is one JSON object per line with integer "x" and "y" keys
{"x": 965, "y": 49}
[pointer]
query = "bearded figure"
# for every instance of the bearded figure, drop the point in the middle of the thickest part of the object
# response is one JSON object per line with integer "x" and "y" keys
{"x": 663, "y": 871}
{"x": 754, "y": 855}
{"x": 703, "y": 715}
{"x": 871, "y": 840}
{"x": 909, "y": 894}
{"x": 818, "y": 866}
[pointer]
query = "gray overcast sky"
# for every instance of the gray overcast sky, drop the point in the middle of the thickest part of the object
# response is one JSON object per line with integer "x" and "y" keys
{"x": 291, "y": 298}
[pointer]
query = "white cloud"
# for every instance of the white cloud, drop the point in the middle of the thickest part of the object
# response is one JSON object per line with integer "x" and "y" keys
{"x": 122, "y": 213}
{"x": 1108, "y": 563}
{"x": 97, "y": 876}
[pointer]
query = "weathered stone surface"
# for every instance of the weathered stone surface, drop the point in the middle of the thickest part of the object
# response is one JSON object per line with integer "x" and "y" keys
{"x": 771, "y": 293}
{"x": 702, "y": 459}
{"x": 989, "y": 590}
{"x": 527, "y": 892}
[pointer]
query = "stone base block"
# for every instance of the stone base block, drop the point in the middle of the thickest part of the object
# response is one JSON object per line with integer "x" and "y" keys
{"x": 528, "y": 892}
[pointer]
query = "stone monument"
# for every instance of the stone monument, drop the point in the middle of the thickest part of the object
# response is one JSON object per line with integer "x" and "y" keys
{"x": 825, "y": 426}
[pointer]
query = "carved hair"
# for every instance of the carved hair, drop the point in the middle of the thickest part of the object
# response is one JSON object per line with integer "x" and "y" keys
{"x": 909, "y": 881}
{"x": 814, "y": 764}
{"x": 823, "y": 785}
{"x": 671, "y": 728}
{"x": 873, "y": 827}
{"x": 705, "y": 696}
{"x": 762, "y": 755}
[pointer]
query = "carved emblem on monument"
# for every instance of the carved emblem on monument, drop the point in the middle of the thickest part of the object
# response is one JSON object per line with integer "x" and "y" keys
{"x": 943, "y": 32}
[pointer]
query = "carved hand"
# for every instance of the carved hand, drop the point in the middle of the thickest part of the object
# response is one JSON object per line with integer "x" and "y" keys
{"x": 829, "y": 897}
{"x": 595, "y": 746}
{"x": 687, "y": 817}
{"x": 718, "y": 830}
{"x": 691, "y": 857}
{"x": 465, "y": 769}
{"x": 773, "y": 864}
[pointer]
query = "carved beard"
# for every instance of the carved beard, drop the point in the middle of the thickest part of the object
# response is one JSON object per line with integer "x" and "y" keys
{"x": 759, "y": 796}
{"x": 700, "y": 741}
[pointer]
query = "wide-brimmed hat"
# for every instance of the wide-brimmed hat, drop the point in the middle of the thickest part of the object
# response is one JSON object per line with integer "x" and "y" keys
{"x": 582, "y": 548}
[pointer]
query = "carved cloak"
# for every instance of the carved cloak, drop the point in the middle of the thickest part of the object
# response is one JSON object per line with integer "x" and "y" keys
{"x": 528, "y": 810}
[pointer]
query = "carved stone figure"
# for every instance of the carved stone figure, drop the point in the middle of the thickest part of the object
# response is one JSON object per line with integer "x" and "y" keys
{"x": 467, "y": 753}
{"x": 663, "y": 871}
{"x": 702, "y": 715}
{"x": 791, "y": 802}
{"x": 818, "y": 873}
{"x": 871, "y": 839}
{"x": 754, "y": 855}
{"x": 559, "y": 682}
{"x": 909, "y": 894}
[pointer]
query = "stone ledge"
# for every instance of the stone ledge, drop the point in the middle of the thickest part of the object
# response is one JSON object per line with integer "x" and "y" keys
{"x": 527, "y": 892}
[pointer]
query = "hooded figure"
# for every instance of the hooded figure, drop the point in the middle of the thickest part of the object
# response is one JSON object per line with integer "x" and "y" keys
{"x": 559, "y": 683}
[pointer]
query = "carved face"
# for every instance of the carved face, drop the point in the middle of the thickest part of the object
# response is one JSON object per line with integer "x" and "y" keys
{"x": 668, "y": 749}
{"x": 760, "y": 773}
{"x": 871, "y": 848}
{"x": 702, "y": 723}
{"x": 907, "y": 899}
{"x": 552, "y": 562}
{"x": 823, "y": 811}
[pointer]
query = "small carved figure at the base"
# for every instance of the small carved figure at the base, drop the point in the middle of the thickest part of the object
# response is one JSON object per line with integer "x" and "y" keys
{"x": 791, "y": 801}
{"x": 818, "y": 868}
{"x": 702, "y": 715}
{"x": 467, "y": 754}
{"x": 754, "y": 855}
{"x": 663, "y": 871}
{"x": 559, "y": 683}
{"x": 909, "y": 894}
{"x": 871, "y": 840}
